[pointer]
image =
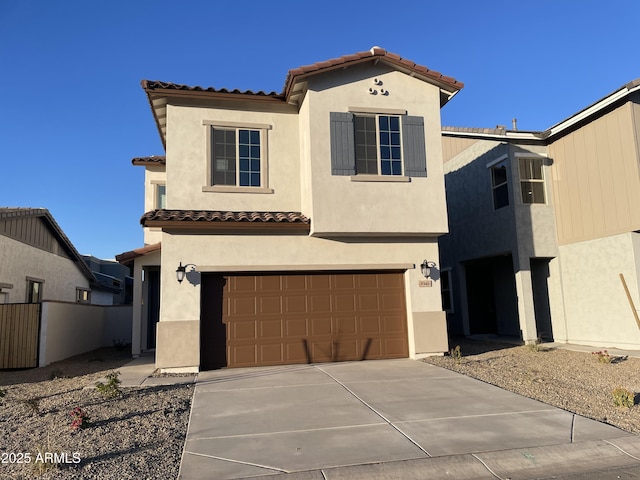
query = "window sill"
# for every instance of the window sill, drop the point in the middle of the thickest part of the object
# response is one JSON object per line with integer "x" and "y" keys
{"x": 232, "y": 189}
{"x": 379, "y": 178}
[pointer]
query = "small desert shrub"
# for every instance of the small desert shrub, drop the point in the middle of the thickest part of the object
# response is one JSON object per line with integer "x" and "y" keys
{"x": 603, "y": 356}
{"x": 535, "y": 345}
{"x": 33, "y": 404}
{"x": 3, "y": 393}
{"x": 111, "y": 389}
{"x": 456, "y": 353}
{"x": 80, "y": 419}
{"x": 42, "y": 461}
{"x": 623, "y": 397}
{"x": 56, "y": 373}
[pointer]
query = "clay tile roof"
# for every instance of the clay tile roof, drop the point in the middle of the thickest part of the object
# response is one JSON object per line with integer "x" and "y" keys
{"x": 153, "y": 160}
{"x": 218, "y": 216}
{"x": 150, "y": 85}
{"x": 128, "y": 257}
{"x": 375, "y": 52}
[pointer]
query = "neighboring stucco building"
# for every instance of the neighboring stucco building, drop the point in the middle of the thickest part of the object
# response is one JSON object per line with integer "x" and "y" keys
{"x": 544, "y": 235}
{"x": 114, "y": 285}
{"x": 37, "y": 260}
{"x": 302, "y": 218}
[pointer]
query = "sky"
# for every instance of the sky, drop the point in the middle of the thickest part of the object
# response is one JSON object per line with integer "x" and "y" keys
{"x": 73, "y": 113}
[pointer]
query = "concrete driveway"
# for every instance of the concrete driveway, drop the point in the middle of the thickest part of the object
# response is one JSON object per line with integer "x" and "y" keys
{"x": 385, "y": 419}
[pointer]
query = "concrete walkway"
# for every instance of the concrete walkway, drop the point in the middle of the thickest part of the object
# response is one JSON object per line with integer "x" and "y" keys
{"x": 385, "y": 419}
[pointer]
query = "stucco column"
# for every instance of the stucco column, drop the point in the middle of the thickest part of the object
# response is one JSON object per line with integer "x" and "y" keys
{"x": 526, "y": 309}
{"x": 136, "y": 320}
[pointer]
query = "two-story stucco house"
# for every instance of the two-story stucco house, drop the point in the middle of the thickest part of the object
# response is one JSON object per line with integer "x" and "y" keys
{"x": 299, "y": 219}
{"x": 544, "y": 235}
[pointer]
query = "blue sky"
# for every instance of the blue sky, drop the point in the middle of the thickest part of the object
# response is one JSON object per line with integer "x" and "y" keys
{"x": 73, "y": 114}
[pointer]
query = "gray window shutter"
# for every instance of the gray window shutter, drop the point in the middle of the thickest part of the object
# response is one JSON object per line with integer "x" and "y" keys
{"x": 343, "y": 150}
{"x": 413, "y": 145}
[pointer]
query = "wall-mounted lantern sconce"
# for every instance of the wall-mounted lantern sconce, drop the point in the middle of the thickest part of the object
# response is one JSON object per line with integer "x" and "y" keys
{"x": 426, "y": 267}
{"x": 182, "y": 270}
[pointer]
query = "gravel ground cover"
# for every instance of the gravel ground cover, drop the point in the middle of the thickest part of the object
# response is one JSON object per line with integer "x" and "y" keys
{"x": 574, "y": 381}
{"x": 136, "y": 435}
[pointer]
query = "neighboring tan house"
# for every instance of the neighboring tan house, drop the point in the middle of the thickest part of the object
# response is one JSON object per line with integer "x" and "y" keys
{"x": 300, "y": 219}
{"x": 544, "y": 235}
{"x": 37, "y": 260}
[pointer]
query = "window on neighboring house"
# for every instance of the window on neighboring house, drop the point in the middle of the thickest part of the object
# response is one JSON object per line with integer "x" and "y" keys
{"x": 445, "y": 290}
{"x": 532, "y": 180}
{"x": 379, "y": 144}
{"x": 161, "y": 195}
{"x": 499, "y": 185}
{"x": 83, "y": 295}
{"x": 236, "y": 157}
{"x": 34, "y": 291}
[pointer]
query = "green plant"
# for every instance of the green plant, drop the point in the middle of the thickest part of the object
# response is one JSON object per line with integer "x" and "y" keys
{"x": 120, "y": 345}
{"x": 535, "y": 345}
{"x": 43, "y": 458}
{"x": 56, "y": 373}
{"x": 33, "y": 404}
{"x": 111, "y": 389}
{"x": 603, "y": 356}
{"x": 80, "y": 419}
{"x": 623, "y": 397}
{"x": 456, "y": 353}
{"x": 3, "y": 393}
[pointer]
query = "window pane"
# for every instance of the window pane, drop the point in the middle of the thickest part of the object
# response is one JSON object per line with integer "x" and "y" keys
{"x": 395, "y": 153}
{"x": 161, "y": 196}
{"x": 385, "y": 153}
{"x": 499, "y": 175}
{"x": 396, "y": 168}
{"x": 500, "y": 196}
{"x": 255, "y": 179}
{"x": 384, "y": 122}
{"x": 244, "y": 164}
{"x": 244, "y": 179}
{"x": 385, "y": 138}
{"x": 385, "y": 166}
{"x": 395, "y": 138}
{"x": 243, "y": 151}
{"x": 394, "y": 123}
{"x": 243, "y": 136}
{"x": 532, "y": 192}
{"x": 255, "y": 137}
{"x": 224, "y": 157}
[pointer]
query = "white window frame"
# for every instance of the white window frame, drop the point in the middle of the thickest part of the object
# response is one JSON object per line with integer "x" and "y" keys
{"x": 30, "y": 282}
{"x": 210, "y": 125}
{"x": 157, "y": 199}
{"x": 83, "y": 295}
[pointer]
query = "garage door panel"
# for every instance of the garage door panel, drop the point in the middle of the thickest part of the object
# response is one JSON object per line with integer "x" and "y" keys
{"x": 295, "y": 304}
{"x": 345, "y": 303}
{"x": 320, "y": 326}
{"x": 270, "y": 305}
{"x": 277, "y": 319}
{"x": 345, "y": 325}
{"x": 320, "y": 303}
{"x": 270, "y": 328}
{"x": 243, "y": 306}
{"x": 296, "y": 327}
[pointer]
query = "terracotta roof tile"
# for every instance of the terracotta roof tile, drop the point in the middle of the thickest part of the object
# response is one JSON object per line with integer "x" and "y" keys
{"x": 150, "y": 85}
{"x": 152, "y": 160}
{"x": 218, "y": 216}
{"x": 393, "y": 58}
{"x": 128, "y": 257}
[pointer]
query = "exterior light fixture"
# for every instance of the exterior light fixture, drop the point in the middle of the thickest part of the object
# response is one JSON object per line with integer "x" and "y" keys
{"x": 426, "y": 267}
{"x": 182, "y": 270}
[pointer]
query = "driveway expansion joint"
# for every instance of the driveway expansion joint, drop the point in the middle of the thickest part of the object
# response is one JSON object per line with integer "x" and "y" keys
{"x": 275, "y": 469}
{"x": 621, "y": 449}
{"x": 391, "y": 424}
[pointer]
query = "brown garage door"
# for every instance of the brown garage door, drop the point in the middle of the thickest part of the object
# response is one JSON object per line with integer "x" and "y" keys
{"x": 285, "y": 319}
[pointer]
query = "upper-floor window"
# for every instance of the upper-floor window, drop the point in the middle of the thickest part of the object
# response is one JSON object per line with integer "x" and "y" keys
{"x": 34, "y": 290}
{"x": 499, "y": 185}
{"x": 532, "y": 180}
{"x": 386, "y": 144}
{"x": 237, "y": 157}
{"x": 83, "y": 295}
{"x": 160, "y": 200}
{"x": 378, "y": 145}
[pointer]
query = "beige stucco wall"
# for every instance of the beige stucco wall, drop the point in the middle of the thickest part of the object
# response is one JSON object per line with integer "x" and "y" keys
{"x": 596, "y": 178}
{"x": 341, "y": 206}
{"x": 597, "y": 311}
{"x": 18, "y": 261}
{"x": 69, "y": 329}
{"x": 187, "y": 160}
